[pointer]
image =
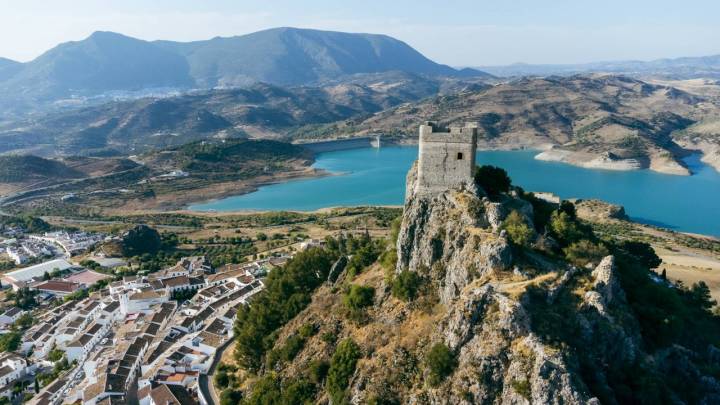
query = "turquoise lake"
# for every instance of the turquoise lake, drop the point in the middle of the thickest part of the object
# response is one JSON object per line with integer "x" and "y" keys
{"x": 377, "y": 177}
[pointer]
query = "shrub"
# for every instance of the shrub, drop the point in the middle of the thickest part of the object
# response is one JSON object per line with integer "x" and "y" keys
{"x": 388, "y": 259}
{"x": 358, "y": 297}
{"x": 405, "y": 285}
{"x": 293, "y": 345}
{"x": 222, "y": 379}
{"x": 395, "y": 229}
{"x": 329, "y": 338}
{"x": 342, "y": 367}
{"x": 476, "y": 208}
{"x": 317, "y": 371}
{"x": 9, "y": 341}
{"x": 440, "y": 363}
{"x": 493, "y": 180}
{"x": 565, "y": 228}
{"x": 362, "y": 258}
{"x": 518, "y": 230}
{"x": 522, "y": 387}
{"x": 230, "y": 397}
{"x": 584, "y": 252}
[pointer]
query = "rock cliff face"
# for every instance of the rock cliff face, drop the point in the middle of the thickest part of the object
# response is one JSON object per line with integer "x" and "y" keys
{"x": 522, "y": 324}
{"x": 494, "y": 319}
{"x": 455, "y": 238}
{"x": 453, "y": 235}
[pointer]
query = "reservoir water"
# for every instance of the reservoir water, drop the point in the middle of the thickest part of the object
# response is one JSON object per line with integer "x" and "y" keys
{"x": 377, "y": 177}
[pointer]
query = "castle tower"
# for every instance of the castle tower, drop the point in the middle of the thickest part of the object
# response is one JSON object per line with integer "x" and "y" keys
{"x": 446, "y": 157}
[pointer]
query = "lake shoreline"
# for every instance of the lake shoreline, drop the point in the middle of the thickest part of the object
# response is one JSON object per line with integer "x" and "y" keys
{"x": 376, "y": 177}
{"x": 546, "y": 152}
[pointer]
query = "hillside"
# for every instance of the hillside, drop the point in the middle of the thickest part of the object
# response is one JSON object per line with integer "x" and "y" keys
{"x": 668, "y": 68}
{"x": 261, "y": 110}
{"x": 609, "y": 122}
{"x": 107, "y": 64}
{"x": 504, "y": 300}
{"x": 8, "y": 68}
{"x": 25, "y": 172}
{"x": 169, "y": 178}
{"x": 232, "y": 158}
{"x": 18, "y": 169}
{"x": 314, "y": 55}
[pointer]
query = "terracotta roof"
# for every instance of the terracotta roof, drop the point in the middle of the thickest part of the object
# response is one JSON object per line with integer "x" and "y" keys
{"x": 58, "y": 286}
{"x": 176, "y": 281}
{"x": 145, "y": 295}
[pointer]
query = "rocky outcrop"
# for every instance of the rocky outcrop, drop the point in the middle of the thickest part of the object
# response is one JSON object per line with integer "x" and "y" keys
{"x": 524, "y": 325}
{"x": 596, "y": 210}
{"x": 337, "y": 269}
{"x": 492, "y": 336}
{"x": 453, "y": 236}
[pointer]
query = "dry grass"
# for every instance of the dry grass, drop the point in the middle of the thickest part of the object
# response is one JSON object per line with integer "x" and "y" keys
{"x": 691, "y": 268}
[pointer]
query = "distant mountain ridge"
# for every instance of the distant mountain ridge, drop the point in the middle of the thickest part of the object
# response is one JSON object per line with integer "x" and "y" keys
{"x": 110, "y": 62}
{"x": 672, "y": 68}
{"x": 261, "y": 109}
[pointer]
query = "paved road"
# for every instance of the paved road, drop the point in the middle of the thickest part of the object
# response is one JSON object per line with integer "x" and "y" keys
{"x": 206, "y": 380}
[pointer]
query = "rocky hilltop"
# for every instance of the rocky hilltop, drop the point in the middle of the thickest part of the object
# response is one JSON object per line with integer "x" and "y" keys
{"x": 594, "y": 121}
{"x": 488, "y": 295}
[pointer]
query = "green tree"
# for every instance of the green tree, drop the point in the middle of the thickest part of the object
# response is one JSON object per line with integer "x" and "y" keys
{"x": 230, "y": 397}
{"x": 440, "y": 363}
{"x": 518, "y": 230}
{"x": 342, "y": 367}
{"x": 584, "y": 252}
{"x": 700, "y": 296}
{"x": 287, "y": 292}
{"x": 358, "y": 297}
{"x": 10, "y": 341}
{"x": 261, "y": 236}
{"x": 405, "y": 285}
{"x": 492, "y": 179}
{"x": 643, "y": 252}
{"x": 55, "y": 354}
{"x": 140, "y": 240}
{"x": 565, "y": 228}
{"x": 317, "y": 371}
{"x": 25, "y": 321}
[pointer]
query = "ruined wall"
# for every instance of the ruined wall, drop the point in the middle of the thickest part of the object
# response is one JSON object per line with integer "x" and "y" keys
{"x": 446, "y": 158}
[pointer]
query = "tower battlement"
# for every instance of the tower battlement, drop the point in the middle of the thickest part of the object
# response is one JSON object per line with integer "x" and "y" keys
{"x": 446, "y": 157}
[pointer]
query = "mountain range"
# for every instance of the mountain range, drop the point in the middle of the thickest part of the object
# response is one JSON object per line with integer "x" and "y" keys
{"x": 596, "y": 121}
{"x": 108, "y": 62}
{"x": 260, "y": 110}
{"x": 667, "y": 68}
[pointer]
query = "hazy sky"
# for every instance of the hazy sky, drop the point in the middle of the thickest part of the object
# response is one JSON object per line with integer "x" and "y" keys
{"x": 455, "y": 32}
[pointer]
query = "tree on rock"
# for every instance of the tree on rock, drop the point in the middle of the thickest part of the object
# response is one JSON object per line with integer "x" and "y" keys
{"x": 440, "y": 363}
{"x": 140, "y": 240}
{"x": 342, "y": 367}
{"x": 494, "y": 180}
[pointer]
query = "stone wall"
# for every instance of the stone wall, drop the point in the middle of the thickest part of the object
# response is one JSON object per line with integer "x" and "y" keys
{"x": 446, "y": 158}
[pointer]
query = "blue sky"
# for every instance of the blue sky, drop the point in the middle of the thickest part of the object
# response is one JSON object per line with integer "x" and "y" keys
{"x": 455, "y": 32}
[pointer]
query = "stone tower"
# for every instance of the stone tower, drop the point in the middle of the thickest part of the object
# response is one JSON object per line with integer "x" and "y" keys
{"x": 446, "y": 157}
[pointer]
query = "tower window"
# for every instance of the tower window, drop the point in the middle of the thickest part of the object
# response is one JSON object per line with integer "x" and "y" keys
{"x": 459, "y": 156}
